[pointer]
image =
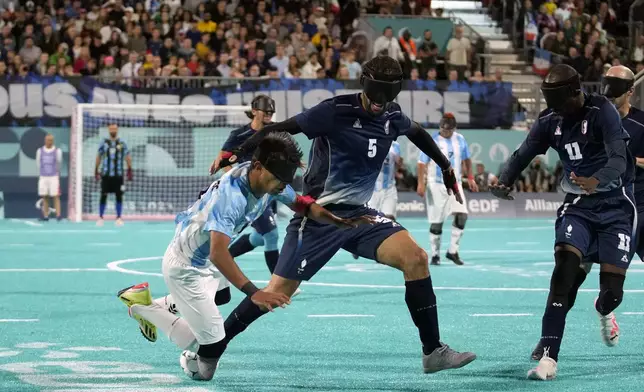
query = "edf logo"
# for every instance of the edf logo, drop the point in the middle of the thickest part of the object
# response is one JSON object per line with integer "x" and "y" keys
{"x": 483, "y": 206}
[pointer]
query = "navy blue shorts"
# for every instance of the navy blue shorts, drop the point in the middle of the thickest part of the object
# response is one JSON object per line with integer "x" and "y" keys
{"x": 265, "y": 223}
{"x": 309, "y": 245}
{"x": 602, "y": 226}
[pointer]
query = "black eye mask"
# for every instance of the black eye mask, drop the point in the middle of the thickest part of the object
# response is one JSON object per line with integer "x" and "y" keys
{"x": 613, "y": 87}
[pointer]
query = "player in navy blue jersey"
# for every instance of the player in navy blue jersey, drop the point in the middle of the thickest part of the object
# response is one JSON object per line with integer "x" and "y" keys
{"x": 351, "y": 137}
{"x": 617, "y": 86}
{"x": 264, "y": 230}
{"x": 598, "y": 215}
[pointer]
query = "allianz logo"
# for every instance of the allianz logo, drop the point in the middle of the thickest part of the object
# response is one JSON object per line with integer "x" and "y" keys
{"x": 541, "y": 205}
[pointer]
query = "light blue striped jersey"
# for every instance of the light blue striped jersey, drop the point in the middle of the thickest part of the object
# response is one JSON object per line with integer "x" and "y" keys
{"x": 227, "y": 207}
{"x": 454, "y": 148}
{"x": 387, "y": 177}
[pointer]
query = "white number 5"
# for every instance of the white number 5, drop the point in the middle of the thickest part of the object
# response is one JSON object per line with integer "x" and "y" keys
{"x": 373, "y": 148}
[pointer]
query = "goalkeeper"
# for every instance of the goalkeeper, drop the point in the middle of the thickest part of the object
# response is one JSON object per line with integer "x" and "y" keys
{"x": 264, "y": 230}
{"x": 109, "y": 169}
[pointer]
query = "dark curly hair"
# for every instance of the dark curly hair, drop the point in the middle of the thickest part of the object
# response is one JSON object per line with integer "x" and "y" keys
{"x": 278, "y": 146}
{"x": 383, "y": 68}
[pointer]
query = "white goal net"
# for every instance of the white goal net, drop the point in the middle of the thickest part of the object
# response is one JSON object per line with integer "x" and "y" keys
{"x": 171, "y": 148}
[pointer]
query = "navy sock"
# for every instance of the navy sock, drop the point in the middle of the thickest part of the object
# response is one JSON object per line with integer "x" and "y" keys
{"x": 421, "y": 301}
{"x": 119, "y": 209}
{"x": 271, "y": 259}
{"x": 244, "y": 314}
{"x": 552, "y": 329}
{"x": 241, "y": 246}
{"x": 101, "y": 209}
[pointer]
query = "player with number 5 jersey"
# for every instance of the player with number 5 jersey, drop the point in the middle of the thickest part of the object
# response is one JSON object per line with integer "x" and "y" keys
{"x": 352, "y": 136}
{"x": 598, "y": 215}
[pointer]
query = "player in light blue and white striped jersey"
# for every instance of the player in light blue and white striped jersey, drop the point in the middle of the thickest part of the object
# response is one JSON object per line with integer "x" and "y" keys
{"x": 385, "y": 195}
{"x": 202, "y": 237}
{"x": 439, "y": 203}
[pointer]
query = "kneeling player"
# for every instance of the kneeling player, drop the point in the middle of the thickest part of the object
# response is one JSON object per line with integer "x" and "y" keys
{"x": 598, "y": 214}
{"x": 202, "y": 236}
{"x": 441, "y": 204}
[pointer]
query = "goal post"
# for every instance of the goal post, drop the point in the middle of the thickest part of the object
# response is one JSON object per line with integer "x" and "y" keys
{"x": 171, "y": 146}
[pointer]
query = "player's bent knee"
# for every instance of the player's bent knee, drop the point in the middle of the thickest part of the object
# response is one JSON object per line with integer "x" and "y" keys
{"x": 223, "y": 296}
{"x": 256, "y": 239}
{"x": 611, "y": 286}
{"x": 563, "y": 277}
{"x": 270, "y": 240}
{"x": 459, "y": 220}
{"x": 436, "y": 228}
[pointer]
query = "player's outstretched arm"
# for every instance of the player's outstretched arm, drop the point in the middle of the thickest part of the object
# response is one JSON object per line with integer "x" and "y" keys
{"x": 222, "y": 259}
{"x": 306, "y": 206}
{"x": 535, "y": 144}
{"x": 291, "y": 126}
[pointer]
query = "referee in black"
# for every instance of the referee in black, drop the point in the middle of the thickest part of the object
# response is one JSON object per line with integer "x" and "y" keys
{"x": 109, "y": 170}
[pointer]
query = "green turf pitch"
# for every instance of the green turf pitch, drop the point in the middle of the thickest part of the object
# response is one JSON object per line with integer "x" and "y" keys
{"x": 63, "y": 329}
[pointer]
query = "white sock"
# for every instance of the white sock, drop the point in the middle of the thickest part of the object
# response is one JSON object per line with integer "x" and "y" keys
{"x": 174, "y": 327}
{"x": 167, "y": 303}
{"x": 435, "y": 244}
{"x": 456, "y": 238}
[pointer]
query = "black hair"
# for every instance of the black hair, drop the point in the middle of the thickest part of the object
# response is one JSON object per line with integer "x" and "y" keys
{"x": 278, "y": 146}
{"x": 383, "y": 68}
{"x": 560, "y": 74}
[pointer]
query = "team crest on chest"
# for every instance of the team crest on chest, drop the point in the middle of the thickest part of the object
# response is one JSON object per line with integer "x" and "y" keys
{"x": 584, "y": 127}
{"x": 387, "y": 127}
{"x": 558, "y": 130}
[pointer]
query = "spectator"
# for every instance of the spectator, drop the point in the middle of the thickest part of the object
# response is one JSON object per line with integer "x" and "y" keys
{"x": 386, "y": 44}
{"x": 537, "y": 178}
{"x": 427, "y": 52}
{"x": 42, "y": 66}
{"x": 30, "y": 53}
{"x": 309, "y": 70}
{"x": 483, "y": 178}
{"x": 131, "y": 68}
{"x": 348, "y": 60}
{"x": 279, "y": 61}
{"x": 458, "y": 52}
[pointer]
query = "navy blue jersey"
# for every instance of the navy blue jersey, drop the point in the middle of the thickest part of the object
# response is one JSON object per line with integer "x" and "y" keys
{"x": 236, "y": 138}
{"x": 113, "y": 153}
{"x": 580, "y": 142}
{"x": 349, "y": 148}
{"x": 633, "y": 123}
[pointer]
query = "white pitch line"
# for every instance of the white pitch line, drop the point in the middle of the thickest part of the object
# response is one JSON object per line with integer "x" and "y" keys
{"x": 491, "y": 229}
{"x": 633, "y": 313}
{"x": 501, "y": 314}
{"x": 5, "y": 246}
{"x": 54, "y": 270}
{"x": 61, "y": 231}
{"x": 19, "y": 320}
{"x": 27, "y": 222}
{"x": 340, "y": 315}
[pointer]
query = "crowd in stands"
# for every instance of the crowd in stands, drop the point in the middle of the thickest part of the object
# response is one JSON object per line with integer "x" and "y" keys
{"x": 247, "y": 38}
{"x": 130, "y": 38}
{"x": 589, "y": 35}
